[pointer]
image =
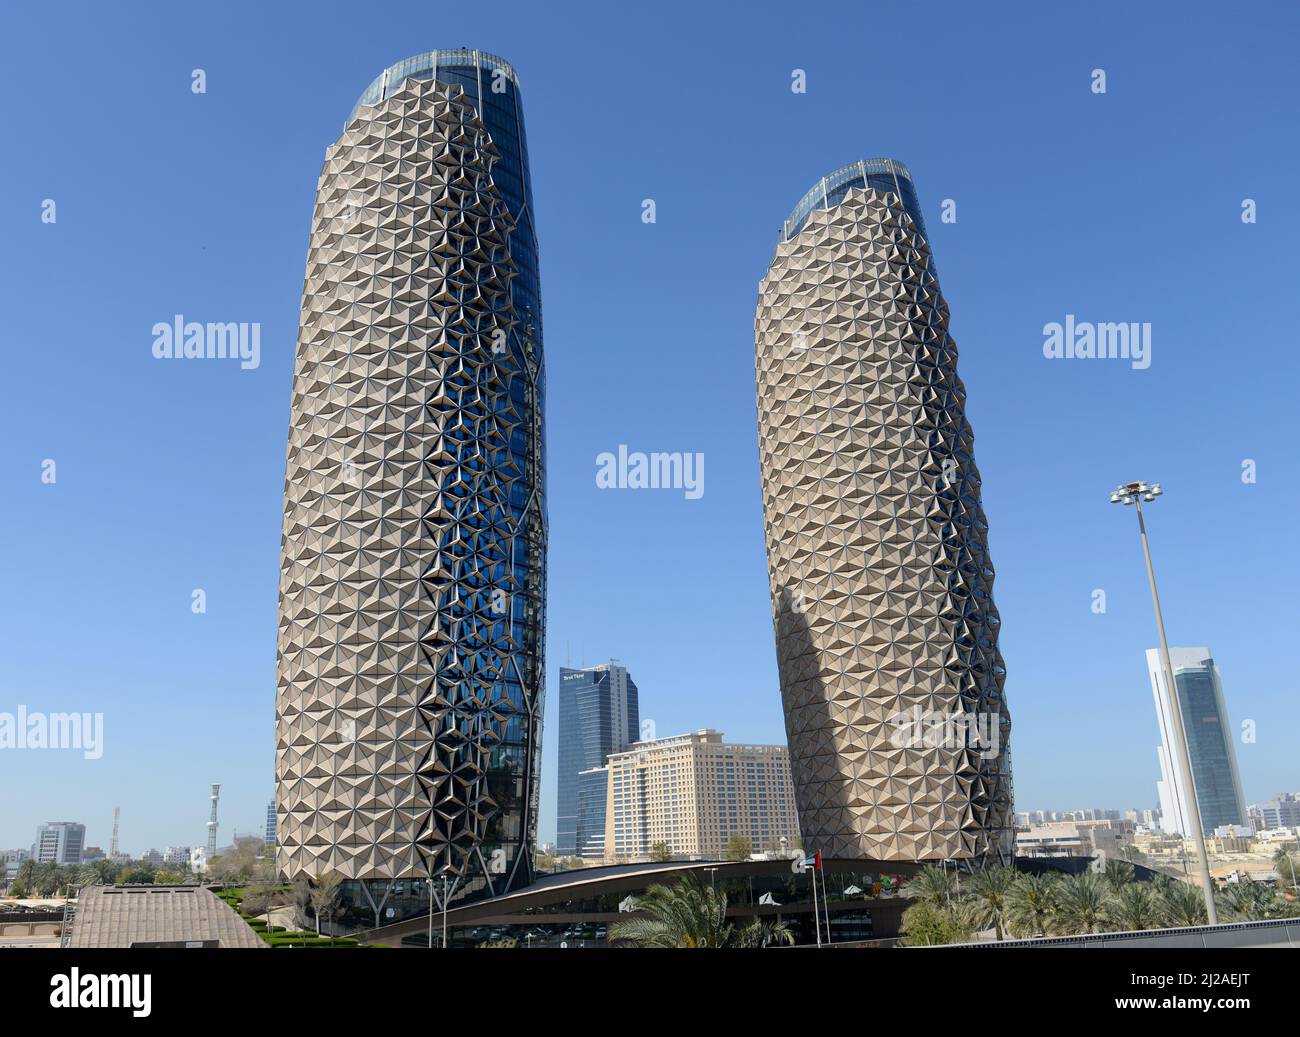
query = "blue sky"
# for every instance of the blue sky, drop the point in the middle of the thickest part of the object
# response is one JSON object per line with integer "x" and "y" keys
{"x": 1117, "y": 207}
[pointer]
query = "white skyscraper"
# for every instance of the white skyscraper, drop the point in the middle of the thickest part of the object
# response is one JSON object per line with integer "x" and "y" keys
{"x": 1209, "y": 743}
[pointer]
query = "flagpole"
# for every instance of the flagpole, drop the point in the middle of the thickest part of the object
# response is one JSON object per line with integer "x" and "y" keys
{"x": 817, "y": 919}
{"x": 826, "y": 911}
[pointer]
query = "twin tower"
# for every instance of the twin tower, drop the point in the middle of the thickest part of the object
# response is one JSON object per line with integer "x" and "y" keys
{"x": 410, "y": 668}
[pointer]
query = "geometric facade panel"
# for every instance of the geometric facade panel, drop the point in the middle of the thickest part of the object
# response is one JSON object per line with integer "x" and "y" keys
{"x": 881, "y": 583}
{"x": 409, "y": 671}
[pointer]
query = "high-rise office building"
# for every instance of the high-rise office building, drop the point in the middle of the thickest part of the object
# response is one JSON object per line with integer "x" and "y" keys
{"x": 600, "y": 713}
{"x": 1209, "y": 744}
{"x": 270, "y": 825}
{"x": 1282, "y": 811}
{"x": 11, "y": 861}
{"x": 877, "y": 544}
{"x": 59, "y": 842}
{"x": 693, "y": 792}
{"x": 410, "y": 669}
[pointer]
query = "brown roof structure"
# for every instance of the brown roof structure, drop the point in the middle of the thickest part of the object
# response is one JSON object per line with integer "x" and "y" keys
{"x": 145, "y": 916}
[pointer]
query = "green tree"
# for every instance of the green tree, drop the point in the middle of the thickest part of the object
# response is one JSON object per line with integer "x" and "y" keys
{"x": 1133, "y": 907}
{"x": 763, "y": 934}
{"x": 169, "y": 877}
{"x": 931, "y": 884}
{"x": 1117, "y": 874}
{"x": 1245, "y": 901}
{"x": 1285, "y": 865}
{"x": 1180, "y": 904}
{"x": 661, "y": 851}
{"x": 739, "y": 847}
{"x": 1031, "y": 903}
{"x": 1081, "y": 904}
{"x": 688, "y": 913}
{"x": 927, "y": 924}
{"x": 23, "y": 879}
{"x": 987, "y": 893}
{"x": 49, "y": 878}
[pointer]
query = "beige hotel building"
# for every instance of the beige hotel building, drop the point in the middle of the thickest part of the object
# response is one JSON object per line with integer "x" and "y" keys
{"x": 693, "y": 792}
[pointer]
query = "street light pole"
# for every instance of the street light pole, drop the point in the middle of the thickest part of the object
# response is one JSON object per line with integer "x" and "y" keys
{"x": 1136, "y": 493}
{"x": 444, "y": 910}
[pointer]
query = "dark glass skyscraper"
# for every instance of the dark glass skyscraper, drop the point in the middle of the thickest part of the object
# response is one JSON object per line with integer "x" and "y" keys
{"x": 412, "y": 596}
{"x": 599, "y": 714}
{"x": 1209, "y": 744}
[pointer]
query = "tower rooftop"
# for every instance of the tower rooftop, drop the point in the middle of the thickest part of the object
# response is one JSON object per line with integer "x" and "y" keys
{"x": 425, "y": 66}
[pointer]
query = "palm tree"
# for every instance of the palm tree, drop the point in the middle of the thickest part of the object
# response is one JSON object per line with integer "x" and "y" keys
{"x": 21, "y": 886}
{"x": 931, "y": 884}
{"x": 763, "y": 934}
{"x": 1285, "y": 863}
{"x": 987, "y": 891}
{"x": 1081, "y": 903}
{"x": 1180, "y": 904}
{"x": 1117, "y": 874}
{"x": 687, "y": 914}
{"x": 1031, "y": 904}
{"x": 1245, "y": 901}
{"x": 1133, "y": 907}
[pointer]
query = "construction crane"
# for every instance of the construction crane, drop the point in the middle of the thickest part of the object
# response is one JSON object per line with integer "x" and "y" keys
{"x": 112, "y": 846}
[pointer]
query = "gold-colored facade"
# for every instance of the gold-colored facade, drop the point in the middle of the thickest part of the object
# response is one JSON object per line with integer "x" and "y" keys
{"x": 692, "y": 793}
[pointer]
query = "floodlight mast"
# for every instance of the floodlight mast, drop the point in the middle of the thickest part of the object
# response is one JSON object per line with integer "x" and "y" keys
{"x": 1136, "y": 493}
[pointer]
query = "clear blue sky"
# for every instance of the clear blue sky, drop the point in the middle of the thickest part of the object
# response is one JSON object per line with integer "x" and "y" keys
{"x": 1122, "y": 207}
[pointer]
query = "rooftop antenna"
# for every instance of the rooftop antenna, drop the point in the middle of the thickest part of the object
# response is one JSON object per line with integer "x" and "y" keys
{"x": 112, "y": 846}
{"x": 212, "y": 823}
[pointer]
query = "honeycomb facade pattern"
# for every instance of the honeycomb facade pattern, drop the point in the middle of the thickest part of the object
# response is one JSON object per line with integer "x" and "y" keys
{"x": 409, "y": 673}
{"x": 876, "y": 541}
